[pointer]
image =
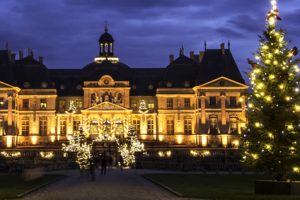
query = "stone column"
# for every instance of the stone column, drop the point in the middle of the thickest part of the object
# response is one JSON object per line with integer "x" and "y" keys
{"x": 223, "y": 109}
{"x": 9, "y": 113}
{"x": 203, "y": 115}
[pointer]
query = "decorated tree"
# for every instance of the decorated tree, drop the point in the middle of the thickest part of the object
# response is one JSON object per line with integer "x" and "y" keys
{"x": 129, "y": 147}
{"x": 81, "y": 148}
{"x": 271, "y": 139}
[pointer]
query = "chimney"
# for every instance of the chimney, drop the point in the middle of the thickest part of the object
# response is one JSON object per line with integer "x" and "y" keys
{"x": 20, "y": 55}
{"x": 201, "y": 54}
{"x": 223, "y": 48}
{"x": 41, "y": 59}
{"x": 13, "y": 58}
{"x": 28, "y": 51}
{"x": 171, "y": 58}
{"x": 192, "y": 56}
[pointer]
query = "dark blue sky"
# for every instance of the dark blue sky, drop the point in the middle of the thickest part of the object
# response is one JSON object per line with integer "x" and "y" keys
{"x": 65, "y": 32}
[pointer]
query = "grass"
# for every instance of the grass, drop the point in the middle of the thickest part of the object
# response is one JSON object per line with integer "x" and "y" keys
{"x": 12, "y": 185}
{"x": 215, "y": 187}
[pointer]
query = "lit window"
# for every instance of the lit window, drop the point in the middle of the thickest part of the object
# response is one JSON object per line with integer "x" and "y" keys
{"x": 169, "y": 103}
{"x": 63, "y": 126}
{"x": 233, "y": 125}
{"x": 25, "y": 103}
{"x": 213, "y": 124}
{"x": 188, "y": 126}
{"x": 150, "y": 126}
{"x": 43, "y": 125}
{"x": 137, "y": 125}
{"x": 170, "y": 126}
{"x": 187, "y": 103}
{"x": 76, "y": 125}
{"x": 151, "y": 105}
{"x": 43, "y": 103}
{"x": 25, "y": 126}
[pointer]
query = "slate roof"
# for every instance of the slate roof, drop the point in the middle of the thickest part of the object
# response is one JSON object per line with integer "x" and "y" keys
{"x": 6, "y": 71}
{"x": 181, "y": 73}
{"x": 215, "y": 64}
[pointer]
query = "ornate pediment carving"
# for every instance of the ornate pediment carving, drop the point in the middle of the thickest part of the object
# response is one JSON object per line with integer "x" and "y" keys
{"x": 106, "y": 106}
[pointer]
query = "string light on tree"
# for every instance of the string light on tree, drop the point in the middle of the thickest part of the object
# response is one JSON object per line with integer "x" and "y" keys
{"x": 274, "y": 112}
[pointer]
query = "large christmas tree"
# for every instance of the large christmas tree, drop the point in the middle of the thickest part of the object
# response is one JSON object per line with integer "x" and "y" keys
{"x": 271, "y": 139}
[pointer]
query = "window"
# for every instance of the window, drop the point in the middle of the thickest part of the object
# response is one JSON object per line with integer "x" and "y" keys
{"x": 233, "y": 126}
{"x": 76, "y": 125}
{"x": 150, "y": 126}
{"x": 1, "y": 101}
{"x": 43, "y": 103}
{"x": 213, "y": 124}
{"x": 212, "y": 101}
{"x": 170, "y": 126}
{"x": 63, "y": 127}
{"x": 199, "y": 102}
{"x": 187, "y": 103}
{"x": 232, "y": 101}
{"x": 133, "y": 104}
{"x": 137, "y": 125}
{"x": 25, "y": 126}
{"x": 43, "y": 125}
{"x": 151, "y": 104}
{"x": 188, "y": 126}
{"x": 25, "y": 103}
{"x": 169, "y": 103}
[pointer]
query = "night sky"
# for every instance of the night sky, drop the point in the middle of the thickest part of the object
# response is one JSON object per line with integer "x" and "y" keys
{"x": 66, "y": 32}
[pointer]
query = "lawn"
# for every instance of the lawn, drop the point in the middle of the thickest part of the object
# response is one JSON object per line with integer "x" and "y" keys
{"x": 225, "y": 187}
{"x": 12, "y": 185}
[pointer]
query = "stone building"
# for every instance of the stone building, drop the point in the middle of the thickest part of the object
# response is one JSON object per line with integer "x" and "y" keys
{"x": 196, "y": 102}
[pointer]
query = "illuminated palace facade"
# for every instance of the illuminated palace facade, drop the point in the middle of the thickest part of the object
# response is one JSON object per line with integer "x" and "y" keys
{"x": 196, "y": 101}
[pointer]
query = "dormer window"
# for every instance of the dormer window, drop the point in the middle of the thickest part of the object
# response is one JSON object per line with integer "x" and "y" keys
{"x": 26, "y": 84}
{"x": 43, "y": 103}
{"x": 169, "y": 84}
{"x": 44, "y": 84}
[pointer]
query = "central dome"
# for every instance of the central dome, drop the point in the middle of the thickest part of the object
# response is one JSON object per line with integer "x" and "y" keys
{"x": 106, "y": 37}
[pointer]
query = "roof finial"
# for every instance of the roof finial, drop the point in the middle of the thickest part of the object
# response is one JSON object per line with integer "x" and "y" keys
{"x": 205, "y": 45}
{"x": 105, "y": 27}
{"x": 228, "y": 44}
{"x": 181, "y": 51}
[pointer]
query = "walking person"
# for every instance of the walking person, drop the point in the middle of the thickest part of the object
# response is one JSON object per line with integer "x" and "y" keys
{"x": 103, "y": 164}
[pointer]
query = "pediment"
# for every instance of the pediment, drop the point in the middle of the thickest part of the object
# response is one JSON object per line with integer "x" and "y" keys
{"x": 104, "y": 106}
{"x": 6, "y": 85}
{"x": 223, "y": 82}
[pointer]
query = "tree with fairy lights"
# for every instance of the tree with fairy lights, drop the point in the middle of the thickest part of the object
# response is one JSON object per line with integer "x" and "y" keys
{"x": 129, "y": 146}
{"x": 271, "y": 139}
{"x": 81, "y": 148}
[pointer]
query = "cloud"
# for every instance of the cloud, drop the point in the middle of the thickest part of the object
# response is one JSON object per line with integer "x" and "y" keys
{"x": 65, "y": 32}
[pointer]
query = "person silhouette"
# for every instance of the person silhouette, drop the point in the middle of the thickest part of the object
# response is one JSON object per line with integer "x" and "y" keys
{"x": 103, "y": 164}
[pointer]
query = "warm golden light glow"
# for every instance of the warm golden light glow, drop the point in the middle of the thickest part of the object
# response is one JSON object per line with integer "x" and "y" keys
{"x": 224, "y": 140}
{"x": 34, "y": 139}
{"x": 47, "y": 154}
{"x": 204, "y": 140}
{"x": 179, "y": 139}
{"x": 9, "y": 141}
{"x": 160, "y": 138}
{"x": 235, "y": 143}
